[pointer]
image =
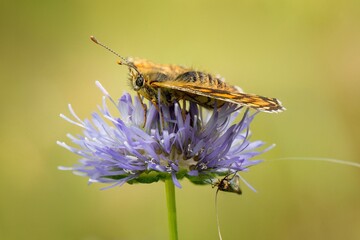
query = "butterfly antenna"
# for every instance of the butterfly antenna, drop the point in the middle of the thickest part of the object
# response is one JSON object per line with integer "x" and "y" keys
{"x": 110, "y": 50}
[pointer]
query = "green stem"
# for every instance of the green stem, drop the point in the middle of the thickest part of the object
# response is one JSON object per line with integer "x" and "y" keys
{"x": 171, "y": 206}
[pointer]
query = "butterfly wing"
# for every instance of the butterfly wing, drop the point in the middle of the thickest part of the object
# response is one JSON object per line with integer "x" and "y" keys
{"x": 206, "y": 95}
{"x": 147, "y": 67}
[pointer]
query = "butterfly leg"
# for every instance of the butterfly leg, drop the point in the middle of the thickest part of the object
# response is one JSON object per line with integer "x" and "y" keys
{"x": 183, "y": 110}
{"x": 143, "y": 106}
{"x": 154, "y": 102}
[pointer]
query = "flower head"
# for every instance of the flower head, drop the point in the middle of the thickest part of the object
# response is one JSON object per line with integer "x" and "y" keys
{"x": 142, "y": 147}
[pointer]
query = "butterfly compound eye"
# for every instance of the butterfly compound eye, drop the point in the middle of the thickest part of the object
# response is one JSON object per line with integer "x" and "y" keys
{"x": 139, "y": 82}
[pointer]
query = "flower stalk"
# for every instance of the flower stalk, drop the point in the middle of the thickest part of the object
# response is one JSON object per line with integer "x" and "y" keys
{"x": 171, "y": 207}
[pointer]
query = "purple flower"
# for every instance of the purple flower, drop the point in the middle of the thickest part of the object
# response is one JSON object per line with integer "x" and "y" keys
{"x": 194, "y": 143}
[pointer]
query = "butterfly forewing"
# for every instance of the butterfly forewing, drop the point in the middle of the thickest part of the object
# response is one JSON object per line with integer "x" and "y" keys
{"x": 205, "y": 95}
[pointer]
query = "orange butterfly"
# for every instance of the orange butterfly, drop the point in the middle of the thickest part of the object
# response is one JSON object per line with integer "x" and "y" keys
{"x": 181, "y": 83}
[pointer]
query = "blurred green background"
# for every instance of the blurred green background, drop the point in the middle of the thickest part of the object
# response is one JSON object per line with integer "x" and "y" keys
{"x": 306, "y": 53}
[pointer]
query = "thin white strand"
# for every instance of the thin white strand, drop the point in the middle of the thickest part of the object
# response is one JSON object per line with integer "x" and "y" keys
{"x": 330, "y": 160}
{"x": 247, "y": 183}
{"x": 103, "y": 90}
{"x": 74, "y": 114}
{"x": 217, "y": 215}
{"x": 71, "y": 121}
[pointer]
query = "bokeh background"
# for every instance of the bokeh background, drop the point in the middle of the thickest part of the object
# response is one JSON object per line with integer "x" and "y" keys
{"x": 306, "y": 53}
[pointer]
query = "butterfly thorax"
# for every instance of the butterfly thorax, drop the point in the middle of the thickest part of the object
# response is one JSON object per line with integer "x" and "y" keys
{"x": 145, "y": 67}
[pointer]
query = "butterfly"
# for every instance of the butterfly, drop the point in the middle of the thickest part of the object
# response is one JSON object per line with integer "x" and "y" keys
{"x": 177, "y": 83}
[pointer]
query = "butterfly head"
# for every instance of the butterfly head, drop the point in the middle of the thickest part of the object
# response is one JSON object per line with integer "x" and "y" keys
{"x": 137, "y": 79}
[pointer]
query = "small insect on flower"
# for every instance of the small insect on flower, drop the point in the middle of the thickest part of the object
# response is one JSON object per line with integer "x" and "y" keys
{"x": 229, "y": 184}
{"x": 181, "y": 83}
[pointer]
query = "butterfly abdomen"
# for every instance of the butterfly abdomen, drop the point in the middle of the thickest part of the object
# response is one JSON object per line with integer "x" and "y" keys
{"x": 200, "y": 78}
